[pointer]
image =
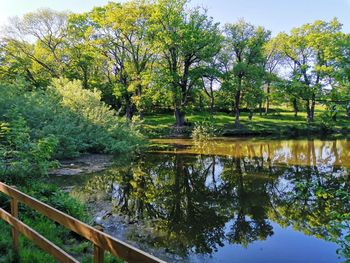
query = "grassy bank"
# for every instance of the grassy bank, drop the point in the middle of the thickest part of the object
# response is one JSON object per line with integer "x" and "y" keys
{"x": 36, "y": 129}
{"x": 280, "y": 122}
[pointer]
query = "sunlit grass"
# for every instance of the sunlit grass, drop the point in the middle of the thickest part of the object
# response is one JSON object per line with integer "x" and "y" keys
{"x": 278, "y": 120}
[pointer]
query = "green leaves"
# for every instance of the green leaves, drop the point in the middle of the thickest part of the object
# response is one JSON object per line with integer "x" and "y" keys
{"x": 22, "y": 155}
{"x": 64, "y": 121}
{"x": 186, "y": 41}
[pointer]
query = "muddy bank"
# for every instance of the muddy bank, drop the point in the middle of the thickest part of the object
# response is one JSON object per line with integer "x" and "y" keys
{"x": 89, "y": 163}
{"x": 139, "y": 233}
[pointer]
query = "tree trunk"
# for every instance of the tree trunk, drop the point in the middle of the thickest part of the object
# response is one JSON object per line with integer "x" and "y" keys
{"x": 295, "y": 108}
{"x": 308, "y": 111}
{"x": 201, "y": 106}
{"x": 260, "y": 108}
{"x": 250, "y": 116}
{"x": 128, "y": 108}
{"x": 179, "y": 116}
{"x": 267, "y": 99}
{"x": 236, "y": 108}
{"x": 212, "y": 102}
{"x": 139, "y": 94}
{"x": 312, "y": 110}
{"x": 85, "y": 79}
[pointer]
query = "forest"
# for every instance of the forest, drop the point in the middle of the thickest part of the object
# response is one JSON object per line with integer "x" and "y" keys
{"x": 164, "y": 56}
{"x": 107, "y": 80}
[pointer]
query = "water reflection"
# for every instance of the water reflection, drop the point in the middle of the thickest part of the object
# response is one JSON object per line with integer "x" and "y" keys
{"x": 272, "y": 152}
{"x": 189, "y": 197}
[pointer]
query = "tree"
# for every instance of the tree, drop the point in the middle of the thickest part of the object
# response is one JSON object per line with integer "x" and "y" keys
{"x": 134, "y": 32}
{"x": 341, "y": 84}
{"x": 273, "y": 59}
{"x": 39, "y": 36}
{"x": 184, "y": 40}
{"x": 242, "y": 60}
{"x": 309, "y": 50}
{"x": 122, "y": 41}
{"x": 211, "y": 79}
{"x": 84, "y": 61}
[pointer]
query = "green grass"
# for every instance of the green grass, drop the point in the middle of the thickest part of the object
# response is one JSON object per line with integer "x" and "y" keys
{"x": 279, "y": 123}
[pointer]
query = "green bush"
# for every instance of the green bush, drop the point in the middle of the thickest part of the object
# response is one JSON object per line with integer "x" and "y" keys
{"x": 74, "y": 116}
{"x": 204, "y": 130}
{"x": 35, "y": 128}
{"x": 19, "y": 154}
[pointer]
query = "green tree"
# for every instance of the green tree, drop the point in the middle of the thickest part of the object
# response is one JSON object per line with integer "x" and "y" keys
{"x": 184, "y": 39}
{"x": 211, "y": 79}
{"x": 242, "y": 61}
{"x": 122, "y": 41}
{"x": 272, "y": 63}
{"x": 341, "y": 85}
{"x": 309, "y": 51}
{"x": 40, "y": 37}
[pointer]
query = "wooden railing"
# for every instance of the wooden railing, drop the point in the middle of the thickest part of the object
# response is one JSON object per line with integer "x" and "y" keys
{"x": 101, "y": 241}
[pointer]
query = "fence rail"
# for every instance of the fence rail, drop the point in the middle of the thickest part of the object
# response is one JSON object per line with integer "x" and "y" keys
{"x": 101, "y": 241}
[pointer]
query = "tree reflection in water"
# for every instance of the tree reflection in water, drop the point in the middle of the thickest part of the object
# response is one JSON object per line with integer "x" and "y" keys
{"x": 189, "y": 197}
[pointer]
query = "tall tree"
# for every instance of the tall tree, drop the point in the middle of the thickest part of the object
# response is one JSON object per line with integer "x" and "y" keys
{"x": 122, "y": 40}
{"x": 184, "y": 39}
{"x": 309, "y": 50}
{"x": 211, "y": 80}
{"x": 272, "y": 62}
{"x": 341, "y": 85}
{"x": 39, "y": 36}
{"x": 242, "y": 60}
{"x": 134, "y": 32}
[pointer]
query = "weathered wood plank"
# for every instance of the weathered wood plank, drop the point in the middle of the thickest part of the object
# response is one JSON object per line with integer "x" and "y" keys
{"x": 14, "y": 213}
{"x": 115, "y": 246}
{"x": 98, "y": 254}
{"x": 39, "y": 240}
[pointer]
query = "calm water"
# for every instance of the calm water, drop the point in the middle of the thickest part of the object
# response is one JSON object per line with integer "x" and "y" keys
{"x": 230, "y": 200}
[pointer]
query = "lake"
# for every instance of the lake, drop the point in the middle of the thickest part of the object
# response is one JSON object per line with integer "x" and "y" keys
{"x": 227, "y": 200}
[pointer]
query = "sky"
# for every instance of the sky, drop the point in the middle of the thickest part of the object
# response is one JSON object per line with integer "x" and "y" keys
{"x": 275, "y": 15}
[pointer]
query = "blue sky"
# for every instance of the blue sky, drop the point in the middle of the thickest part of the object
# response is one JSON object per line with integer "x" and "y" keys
{"x": 276, "y": 15}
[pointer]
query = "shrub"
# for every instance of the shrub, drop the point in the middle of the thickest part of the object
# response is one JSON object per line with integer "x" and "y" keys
{"x": 203, "y": 130}
{"x": 76, "y": 117}
{"x": 21, "y": 156}
{"x": 328, "y": 119}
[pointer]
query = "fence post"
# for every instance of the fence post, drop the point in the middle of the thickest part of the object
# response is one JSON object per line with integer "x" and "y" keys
{"x": 98, "y": 254}
{"x": 98, "y": 251}
{"x": 14, "y": 213}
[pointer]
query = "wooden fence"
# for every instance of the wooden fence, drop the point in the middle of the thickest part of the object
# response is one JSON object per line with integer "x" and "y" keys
{"x": 101, "y": 241}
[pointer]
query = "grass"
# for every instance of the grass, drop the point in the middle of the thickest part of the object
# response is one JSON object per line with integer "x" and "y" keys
{"x": 280, "y": 122}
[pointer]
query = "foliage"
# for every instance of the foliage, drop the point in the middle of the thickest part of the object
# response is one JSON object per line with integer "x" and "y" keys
{"x": 184, "y": 39}
{"x": 242, "y": 62}
{"x": 163, "y": 53}
{"x": 67, "y": 114}
{"x": 204, "y": 130}
{"x": 310, "y": 50}
{"x": 19, "y": 154}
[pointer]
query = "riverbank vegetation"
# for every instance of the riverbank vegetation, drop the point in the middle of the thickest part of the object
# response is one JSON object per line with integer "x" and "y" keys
{"x": 37, "y": 128}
